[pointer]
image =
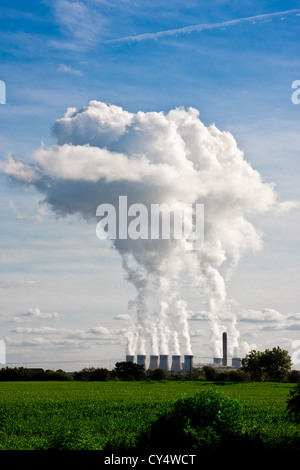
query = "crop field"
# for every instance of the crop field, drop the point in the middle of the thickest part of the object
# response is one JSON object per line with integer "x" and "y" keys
{"x": 113, "y": 415}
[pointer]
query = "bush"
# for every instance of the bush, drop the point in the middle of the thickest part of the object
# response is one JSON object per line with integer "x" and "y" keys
{"x": 128, "y": 371}
{"x": 293, "y": 404}
{"x": 203, "y": 421}
{"x": 92, "y": 374}
{"x": 294, "y": 376}
{"x": 157, "y": 374}
{"x": 210, "y": 373}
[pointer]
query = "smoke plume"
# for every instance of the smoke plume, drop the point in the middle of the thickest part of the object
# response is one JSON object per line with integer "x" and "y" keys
{"x": 101, "y": 151}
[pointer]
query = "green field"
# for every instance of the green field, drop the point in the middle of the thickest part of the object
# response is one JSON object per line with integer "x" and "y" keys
{"x": 112, "y": 415}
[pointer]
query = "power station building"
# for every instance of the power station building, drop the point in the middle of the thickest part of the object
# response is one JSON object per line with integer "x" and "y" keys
{"x": 174, "y": 364}
{"x": 163, "y": 361}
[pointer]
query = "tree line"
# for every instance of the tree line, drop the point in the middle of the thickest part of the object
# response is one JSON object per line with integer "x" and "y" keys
{"x": 271, "y": 365}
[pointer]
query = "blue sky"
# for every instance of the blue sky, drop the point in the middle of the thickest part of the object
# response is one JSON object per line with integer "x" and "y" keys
{"x": 139, "y": 55}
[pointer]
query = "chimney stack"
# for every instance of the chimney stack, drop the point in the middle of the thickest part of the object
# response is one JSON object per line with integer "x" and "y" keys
{"x": 188, "y": 362}
{"x": 141, "y": 360}
{"x": 224, "y": 349}
{"x": 129, "y": 358}
{"x": 164, "y": 362}
{"x": 153, "y": 362}
{"x": 176, "y": 363}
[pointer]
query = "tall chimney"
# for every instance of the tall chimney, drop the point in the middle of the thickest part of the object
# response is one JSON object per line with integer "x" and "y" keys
{"x": 141, "y": 360}
{"x": 188, "y": 362}
{"x": 129, "y": 358}
{"x": 164, "y": 362}
{"x": 153, "y": 362}
{"x": 224, "y": 349}
{"x": 176, "y": 363}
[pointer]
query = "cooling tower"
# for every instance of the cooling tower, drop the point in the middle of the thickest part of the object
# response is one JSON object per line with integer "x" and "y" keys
{"x": 129, "y": 358}
{"x": 236, "y": 362}
{"x": 188, "y": 362}
{"x": 224, "y": 349}
{"x": 153, "y": 362}
{"x": 141, "y": 360}
{"x": 176, "y": 363}
{"x": 164, "y": 362}
{"x": 217, "y": 360}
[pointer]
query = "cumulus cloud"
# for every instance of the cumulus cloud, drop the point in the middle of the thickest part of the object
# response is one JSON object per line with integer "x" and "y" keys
{"x": 35, "y": 313}
{"x": 266, "y": 315}
{"x": 122, "y": 316}
{"x": 102, "y": 151}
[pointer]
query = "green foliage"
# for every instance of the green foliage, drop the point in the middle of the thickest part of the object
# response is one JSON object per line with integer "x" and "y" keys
{"x": 23, "y": 374}
{"x": 157, "y": 374}
{"x": 128, "y": 371}
{"x": 293, "y": 404}
{"x": 114, "y": 415}
{"x": 271, "y": 365}
{"x": 294, "y": 376}
{"x": 201, "y": 421}
{"x": 92, "y": 374}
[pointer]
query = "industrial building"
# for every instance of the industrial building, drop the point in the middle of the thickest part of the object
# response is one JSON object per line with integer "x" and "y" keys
{"x": 174, "y": 363}
{"x": 164, "y": 361}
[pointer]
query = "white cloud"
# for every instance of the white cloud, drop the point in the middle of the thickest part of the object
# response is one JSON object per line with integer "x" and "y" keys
{"x": 34, "y": 313}
{"x": 68, "y": 69}
{"x": 266, "y": 315}
{"x": 12, "y": 284}
{"x": 122, "y": 316}
{"x": 79, "y": 21}
{"x": 102, "y": 151}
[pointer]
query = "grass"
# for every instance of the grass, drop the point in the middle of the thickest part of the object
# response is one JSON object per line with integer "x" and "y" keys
{"x": 111, "y": 415}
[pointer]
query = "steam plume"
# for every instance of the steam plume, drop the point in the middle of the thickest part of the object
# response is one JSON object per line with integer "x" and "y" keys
{"x": 102, "y": 151}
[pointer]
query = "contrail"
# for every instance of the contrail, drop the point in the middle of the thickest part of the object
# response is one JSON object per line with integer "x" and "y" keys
{"x": 199, "y": 27}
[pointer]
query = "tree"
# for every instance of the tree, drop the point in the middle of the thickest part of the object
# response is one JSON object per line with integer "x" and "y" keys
{"x": 277, "y": 364}
{"x": 273, "y": 365}
{"x": 251, "y": 364}
{"x": 128, "y": 370}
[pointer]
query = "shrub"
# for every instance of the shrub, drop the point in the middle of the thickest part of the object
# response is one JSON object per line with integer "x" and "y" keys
{"x": 204, "y": 420}
{"x": 294, "y": 376}
{"x": 293, "y": 404}
{"x": 210, "y": 373}
{"x": 157, "y": 374}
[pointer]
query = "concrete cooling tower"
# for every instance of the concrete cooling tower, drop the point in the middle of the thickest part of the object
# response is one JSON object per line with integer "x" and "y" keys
{"x": 141, "y": 360}
{"x": 153, "y": 362}
{"x": 188, "y": 362}
{"x": 129, "y": 358}
{"x": 176, "y": 364}
{"x": 164, "y": 362}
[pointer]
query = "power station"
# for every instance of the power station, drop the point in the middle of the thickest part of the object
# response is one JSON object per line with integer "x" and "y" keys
{"x": 162, "y": 362}
{"x": 176, "y": 364}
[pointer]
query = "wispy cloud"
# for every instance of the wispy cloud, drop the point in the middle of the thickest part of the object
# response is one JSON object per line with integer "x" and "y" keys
{"x": 12, "y": 284}
{"x": 67, "y": 69}
{"x": 202, "y": 27}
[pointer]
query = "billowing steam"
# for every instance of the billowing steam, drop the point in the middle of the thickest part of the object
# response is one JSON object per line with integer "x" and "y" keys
{"x": 101, "y": 152}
